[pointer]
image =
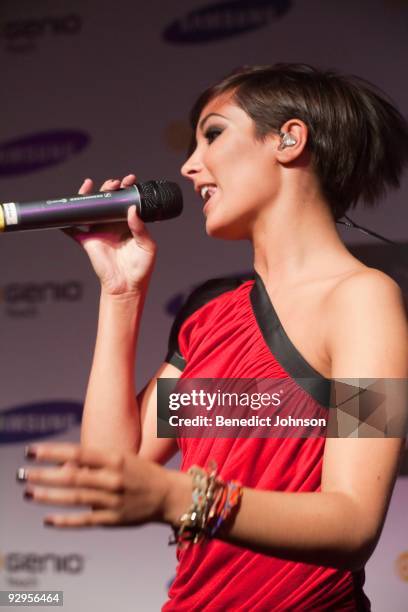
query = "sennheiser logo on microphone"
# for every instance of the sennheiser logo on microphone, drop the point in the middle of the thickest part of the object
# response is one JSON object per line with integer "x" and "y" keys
{"x": 10, "y": 213}
{"x": 61, "y": 201}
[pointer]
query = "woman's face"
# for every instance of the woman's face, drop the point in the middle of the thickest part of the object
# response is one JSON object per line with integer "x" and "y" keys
{"x": 241, "y": 172}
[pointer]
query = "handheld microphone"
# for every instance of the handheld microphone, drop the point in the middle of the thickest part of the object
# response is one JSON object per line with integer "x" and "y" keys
{"x": 154, "y": 200}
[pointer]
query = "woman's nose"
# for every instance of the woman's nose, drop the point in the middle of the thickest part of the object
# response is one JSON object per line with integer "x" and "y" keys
{"x": 191, "y": 166}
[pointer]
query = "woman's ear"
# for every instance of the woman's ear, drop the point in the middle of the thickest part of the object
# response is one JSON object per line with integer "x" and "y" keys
{"x": 292, "y": 140}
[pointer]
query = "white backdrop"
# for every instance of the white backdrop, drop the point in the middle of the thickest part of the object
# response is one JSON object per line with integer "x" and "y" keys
{"x": 102, "y": 89}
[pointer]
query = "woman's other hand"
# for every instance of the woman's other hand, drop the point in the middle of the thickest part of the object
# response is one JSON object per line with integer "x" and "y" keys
{"x": 122, "y": 254}
{"x": 120, "y": 488}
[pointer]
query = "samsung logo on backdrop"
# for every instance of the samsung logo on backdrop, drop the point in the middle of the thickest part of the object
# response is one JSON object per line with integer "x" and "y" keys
{"x": 22, "y": 35}
{"x": 36, "y": 151}
{"x": 225, "y": 19}
{"x": 38, "y": 420}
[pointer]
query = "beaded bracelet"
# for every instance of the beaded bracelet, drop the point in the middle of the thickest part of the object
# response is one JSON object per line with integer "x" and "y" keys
{"x": 213, "y": 502}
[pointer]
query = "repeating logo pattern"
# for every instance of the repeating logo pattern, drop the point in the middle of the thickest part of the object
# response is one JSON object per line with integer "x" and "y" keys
{"x": 224, "y": 20}
{"x": 24, "y": 299}
{"x": 38, "y": 420}
{"x": 24, "y": 35}
{"x": 41, "y": 150}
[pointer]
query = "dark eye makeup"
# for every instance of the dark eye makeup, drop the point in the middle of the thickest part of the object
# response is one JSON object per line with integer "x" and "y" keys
{"x": 211, "y": 133}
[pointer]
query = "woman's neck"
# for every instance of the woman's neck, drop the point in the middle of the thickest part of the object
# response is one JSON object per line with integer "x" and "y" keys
{"x": 296, "y": 240}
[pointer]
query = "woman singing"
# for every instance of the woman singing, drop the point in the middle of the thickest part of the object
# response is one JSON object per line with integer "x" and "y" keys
{"x": 280, "y": 153}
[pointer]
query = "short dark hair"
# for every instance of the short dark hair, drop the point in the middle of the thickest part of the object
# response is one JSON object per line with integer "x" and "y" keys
{"x": 357, "y": 137}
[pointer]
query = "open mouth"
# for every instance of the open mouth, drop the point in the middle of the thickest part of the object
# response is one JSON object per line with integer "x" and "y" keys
{"x": 207, "y": 191}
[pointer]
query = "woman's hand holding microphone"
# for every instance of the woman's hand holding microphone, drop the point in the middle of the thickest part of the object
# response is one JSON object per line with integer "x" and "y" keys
{"x": 122, "y": 254}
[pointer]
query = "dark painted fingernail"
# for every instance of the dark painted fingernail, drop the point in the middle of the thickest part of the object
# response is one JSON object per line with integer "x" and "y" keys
{"x": 28, "y": 494}
{"x": 21, "y": 474}
{"x": 48, "y": 522}
{"x": 30, "y": 452}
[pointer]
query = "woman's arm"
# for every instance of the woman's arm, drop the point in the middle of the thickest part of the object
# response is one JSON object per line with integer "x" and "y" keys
{"x": 111, "y": 417}
{"x": 337, "y": 527}
{"x": 114, "y": 418}
{"x": 122, "y": 255}
{"x": 159, "y": 450}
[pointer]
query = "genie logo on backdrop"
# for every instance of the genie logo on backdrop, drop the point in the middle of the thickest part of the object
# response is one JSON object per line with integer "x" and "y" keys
{"x": 225, "y": 19}
{"x": 38, "y": 421}
{"x": 22, "y": 35}
{"x": 34, "y": 563}
{"x": 23, "y": 299}
{"x": 27, "y": 569}
{"x": 41, "y": 150}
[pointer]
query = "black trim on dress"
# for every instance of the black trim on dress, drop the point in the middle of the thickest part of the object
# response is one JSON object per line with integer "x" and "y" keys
{"x": 282, "y": 348}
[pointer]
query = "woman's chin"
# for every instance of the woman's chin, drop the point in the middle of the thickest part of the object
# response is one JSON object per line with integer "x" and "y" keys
{"x": 224, "y": 230}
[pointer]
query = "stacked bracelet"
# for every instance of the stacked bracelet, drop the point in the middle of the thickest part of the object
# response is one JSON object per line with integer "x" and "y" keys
{"x": 213, "y": 502}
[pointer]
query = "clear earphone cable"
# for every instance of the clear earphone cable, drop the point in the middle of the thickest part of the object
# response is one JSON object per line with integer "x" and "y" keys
{"x": 350, "y": 223}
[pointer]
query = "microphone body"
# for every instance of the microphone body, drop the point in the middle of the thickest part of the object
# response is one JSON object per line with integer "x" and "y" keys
{"x": 154, "y": 200}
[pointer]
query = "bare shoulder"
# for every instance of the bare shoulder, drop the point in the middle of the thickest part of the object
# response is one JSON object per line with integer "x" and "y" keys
{"x": 366, "y": 287}
{"x": 367, "y": 326}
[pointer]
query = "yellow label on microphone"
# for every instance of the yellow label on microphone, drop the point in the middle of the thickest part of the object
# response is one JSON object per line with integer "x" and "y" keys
{"x": 2, "y": 224}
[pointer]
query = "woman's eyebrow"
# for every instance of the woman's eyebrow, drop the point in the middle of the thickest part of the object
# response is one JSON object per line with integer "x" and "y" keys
{"x": 201, "y": 124}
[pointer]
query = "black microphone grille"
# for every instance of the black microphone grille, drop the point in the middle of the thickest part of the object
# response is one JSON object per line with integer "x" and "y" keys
{"x": 160, "y": 200}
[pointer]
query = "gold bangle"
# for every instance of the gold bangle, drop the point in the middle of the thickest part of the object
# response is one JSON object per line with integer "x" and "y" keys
{"x": 213, "y": 501}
